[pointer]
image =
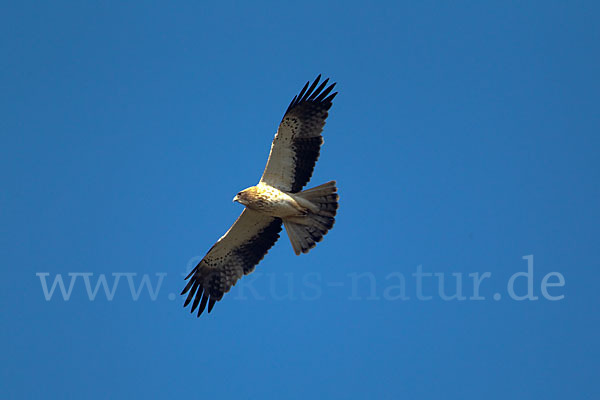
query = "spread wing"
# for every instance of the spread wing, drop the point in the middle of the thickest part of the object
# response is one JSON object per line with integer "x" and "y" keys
{"x": 233, "y": 256}
{"x": 298, "y": 140}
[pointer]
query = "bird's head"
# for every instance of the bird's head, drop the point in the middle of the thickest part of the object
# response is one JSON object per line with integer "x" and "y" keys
{"x": 237, "y": 197}
{"x": 243, "y": 197}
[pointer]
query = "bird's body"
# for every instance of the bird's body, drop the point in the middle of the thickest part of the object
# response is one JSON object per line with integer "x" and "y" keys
{"x": 270, "y": 201}
{"x": 278, "y": 199}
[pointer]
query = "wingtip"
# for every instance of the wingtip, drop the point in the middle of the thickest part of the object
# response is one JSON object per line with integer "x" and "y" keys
{"x": 312, "y": 93}
{"x": 203, "y": 304}
{"x": 330, "y": 98}
{"x": 211, "y": 304}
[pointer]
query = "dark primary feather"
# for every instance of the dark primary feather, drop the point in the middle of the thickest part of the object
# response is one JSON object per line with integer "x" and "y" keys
{"x": 218, "y": 271}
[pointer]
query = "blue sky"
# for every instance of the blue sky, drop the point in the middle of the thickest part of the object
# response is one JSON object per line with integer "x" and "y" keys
{"x": 464, "y": 138}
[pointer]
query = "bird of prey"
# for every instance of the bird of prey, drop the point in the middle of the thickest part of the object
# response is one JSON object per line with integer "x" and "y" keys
{"x": 277, "y": 199}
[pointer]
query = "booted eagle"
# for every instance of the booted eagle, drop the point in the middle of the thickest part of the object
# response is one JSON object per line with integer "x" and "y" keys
{"x": 277, "y": 199}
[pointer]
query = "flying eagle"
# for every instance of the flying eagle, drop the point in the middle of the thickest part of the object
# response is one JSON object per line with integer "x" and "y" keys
{"x": 277, "y": 199}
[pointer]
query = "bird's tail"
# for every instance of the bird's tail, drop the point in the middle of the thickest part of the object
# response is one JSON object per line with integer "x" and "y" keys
{"x": 305, "y": 231}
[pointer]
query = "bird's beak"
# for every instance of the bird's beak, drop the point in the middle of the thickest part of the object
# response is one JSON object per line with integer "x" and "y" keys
{"x": 235, "y": 198}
